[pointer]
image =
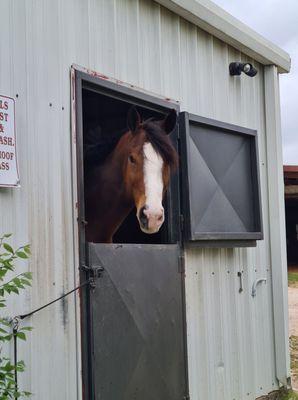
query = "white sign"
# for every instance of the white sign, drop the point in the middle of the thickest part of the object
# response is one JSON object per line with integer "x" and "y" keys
{"x": 9, "y": 175}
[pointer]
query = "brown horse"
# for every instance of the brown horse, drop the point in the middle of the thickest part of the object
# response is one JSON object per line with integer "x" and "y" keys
{"x": 135, "y": 174}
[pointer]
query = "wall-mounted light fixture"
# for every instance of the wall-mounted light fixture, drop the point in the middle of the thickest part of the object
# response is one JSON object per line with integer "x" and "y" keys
{"x": 237, "y": 67}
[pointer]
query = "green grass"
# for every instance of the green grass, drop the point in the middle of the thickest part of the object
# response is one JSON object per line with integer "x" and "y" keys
{"x": 293, "y": 277}
{"x": 290, "y": 396}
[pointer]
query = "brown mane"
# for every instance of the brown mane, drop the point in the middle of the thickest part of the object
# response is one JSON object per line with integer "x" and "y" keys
{"x": 97, "y": 151}
{"x": 160, "y": 142}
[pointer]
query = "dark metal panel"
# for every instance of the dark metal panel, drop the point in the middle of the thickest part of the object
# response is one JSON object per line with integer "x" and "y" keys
{"x": 220, "y": 178}
{"x": 138, "y": 323}
{"x": 228, "y": 244}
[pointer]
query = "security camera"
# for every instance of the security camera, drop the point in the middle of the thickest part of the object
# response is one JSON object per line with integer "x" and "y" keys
{"x": 237, "y": 67}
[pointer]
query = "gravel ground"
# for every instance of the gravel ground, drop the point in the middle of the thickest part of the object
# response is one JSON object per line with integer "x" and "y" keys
{"x": 293, "y": 331}
{"x": 293, "y": 310}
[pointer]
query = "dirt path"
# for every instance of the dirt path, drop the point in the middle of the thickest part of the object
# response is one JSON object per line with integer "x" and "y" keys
{"x": 293, "y": 310}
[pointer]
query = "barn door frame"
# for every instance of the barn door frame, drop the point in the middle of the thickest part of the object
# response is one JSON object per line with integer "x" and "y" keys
{"x": 84, "y": 78}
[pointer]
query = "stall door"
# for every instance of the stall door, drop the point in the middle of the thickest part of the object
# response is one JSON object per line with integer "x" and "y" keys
{"x": 137, "y": 323}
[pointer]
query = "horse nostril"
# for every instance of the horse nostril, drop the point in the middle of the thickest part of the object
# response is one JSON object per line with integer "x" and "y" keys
{"x": 160, "y": 218}
{"x": 143, "y": 218}
{"x": 142, "y": 214}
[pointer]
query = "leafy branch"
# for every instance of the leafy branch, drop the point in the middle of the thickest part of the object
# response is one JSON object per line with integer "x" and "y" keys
{"x": 8, "y": 257}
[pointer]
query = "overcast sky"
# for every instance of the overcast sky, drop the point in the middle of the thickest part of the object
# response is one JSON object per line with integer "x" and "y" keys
{"x": 277, "y": 20}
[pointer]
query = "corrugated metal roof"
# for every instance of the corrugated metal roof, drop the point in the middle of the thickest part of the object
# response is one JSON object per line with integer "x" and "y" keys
{"x": 213, "y": 19}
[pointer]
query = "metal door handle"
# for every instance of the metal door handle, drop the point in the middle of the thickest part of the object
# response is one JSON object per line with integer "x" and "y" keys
{"x": 239, "y": 274}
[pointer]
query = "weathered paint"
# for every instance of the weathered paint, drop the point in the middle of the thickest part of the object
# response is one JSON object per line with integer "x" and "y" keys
{"x": 230, "y": 334}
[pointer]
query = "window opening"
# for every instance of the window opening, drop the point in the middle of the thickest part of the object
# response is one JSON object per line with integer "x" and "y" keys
{"x": 104, "y": 123}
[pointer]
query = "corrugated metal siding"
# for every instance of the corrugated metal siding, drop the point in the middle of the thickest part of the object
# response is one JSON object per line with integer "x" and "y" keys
{"x": 230, "y": 335}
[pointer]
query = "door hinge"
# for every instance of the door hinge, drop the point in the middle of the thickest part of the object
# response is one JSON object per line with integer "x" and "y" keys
{"x": 181, "y": 264}
{"x": 181, "y": 217}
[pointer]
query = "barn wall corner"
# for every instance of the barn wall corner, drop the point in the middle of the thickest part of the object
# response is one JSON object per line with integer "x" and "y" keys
{"x": 277, "y": 223}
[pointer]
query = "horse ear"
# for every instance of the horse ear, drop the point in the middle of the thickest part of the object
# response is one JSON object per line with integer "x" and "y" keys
{"x": 170, "y": 121}
{"x": 133, "y": 119}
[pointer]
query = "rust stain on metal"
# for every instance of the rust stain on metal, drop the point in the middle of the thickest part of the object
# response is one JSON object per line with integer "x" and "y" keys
{"x": 64, "y": 305}
{"x": 80, "y": 295}
{"x": 100, "y": 75}
{"x": 171, "y": 100}
{"x": 97, "y": 74}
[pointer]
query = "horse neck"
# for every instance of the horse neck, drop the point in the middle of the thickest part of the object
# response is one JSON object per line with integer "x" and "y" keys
{"x": 107, "y": 203}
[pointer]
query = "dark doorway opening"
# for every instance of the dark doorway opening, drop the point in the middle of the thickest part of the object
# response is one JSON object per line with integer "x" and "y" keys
{"x": 292, "y": 231}
{"x": 104, "y": 121}
{"x": 291, "y": 209}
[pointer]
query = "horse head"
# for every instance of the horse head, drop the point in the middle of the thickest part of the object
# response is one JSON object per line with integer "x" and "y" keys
{"x": 150, "y": 160}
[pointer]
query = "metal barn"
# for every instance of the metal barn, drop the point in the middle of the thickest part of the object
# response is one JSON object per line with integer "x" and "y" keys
{"x": 227, "y": 282}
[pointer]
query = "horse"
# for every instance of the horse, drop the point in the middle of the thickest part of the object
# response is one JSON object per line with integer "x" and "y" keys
{"x": 136, "y": 173}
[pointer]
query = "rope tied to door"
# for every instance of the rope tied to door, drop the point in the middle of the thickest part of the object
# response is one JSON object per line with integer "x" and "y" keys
{"x": 15, "y": 322}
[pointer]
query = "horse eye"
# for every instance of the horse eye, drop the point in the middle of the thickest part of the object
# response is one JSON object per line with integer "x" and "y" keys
{"x": 132, "y": 159}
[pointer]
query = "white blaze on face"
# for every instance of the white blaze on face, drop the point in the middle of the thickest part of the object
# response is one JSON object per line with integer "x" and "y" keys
{"x": 153, "y": 166}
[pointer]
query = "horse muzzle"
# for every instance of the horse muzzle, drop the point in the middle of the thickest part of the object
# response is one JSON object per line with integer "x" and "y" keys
{"x": 150, "y": 220}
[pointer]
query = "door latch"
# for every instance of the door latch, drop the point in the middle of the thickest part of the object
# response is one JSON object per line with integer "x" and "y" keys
{"x": 94, "y": 273}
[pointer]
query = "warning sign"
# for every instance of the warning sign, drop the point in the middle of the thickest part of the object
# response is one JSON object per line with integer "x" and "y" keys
{"x": 9, "y": 175}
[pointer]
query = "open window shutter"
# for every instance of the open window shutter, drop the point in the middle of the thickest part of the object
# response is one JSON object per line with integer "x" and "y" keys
{"x": 220, "y": 181}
